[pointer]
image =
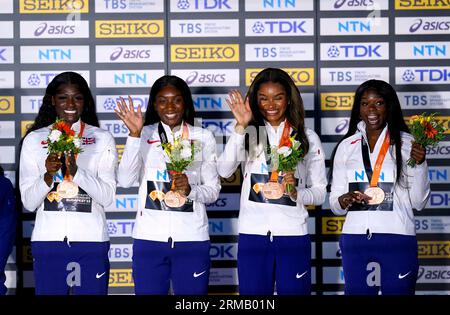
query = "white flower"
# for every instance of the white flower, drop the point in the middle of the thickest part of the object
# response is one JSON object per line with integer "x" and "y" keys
{"x": 77, "y": 142}
{"x": 185, "y": 143}
{"x": 186, "y": 153}
{"x": 54, "y": 135}
{"x": 285, "y": 151}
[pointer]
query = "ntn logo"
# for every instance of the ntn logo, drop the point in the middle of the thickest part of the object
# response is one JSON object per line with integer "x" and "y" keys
{"x": 355, "y": 26}
{"x": 127, "y": 78}
{"x": 201, "y": 102}
{"x": 430, "y": 50}
{"x": 55, "y": 54}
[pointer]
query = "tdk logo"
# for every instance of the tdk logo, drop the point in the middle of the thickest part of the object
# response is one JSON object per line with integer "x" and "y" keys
{"x": 281, "y": 27}
{"x": 203, "y": 4}
{"x": 426, "y": 75}
{"x": 355, "y": 26}
{"x": 37, "y": 78}
{"x": 57, "y": 54}
{"x": 218, "y": 127}
{"x": 429, "y": 26}
{"x": 439, "y": 199}
{"x": 130, "y": 78}
{"x": 354, "y": 51}
{"x": 110, "y": 103}
{"x": 429, "y": 50}
{"x": 137, "y": 54}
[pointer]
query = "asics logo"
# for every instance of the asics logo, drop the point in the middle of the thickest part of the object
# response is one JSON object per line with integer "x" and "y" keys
{"x": 400, "y": 276}
{"x": 301, "y": 275}
{"x": 198, "y": 274}
{"x": 98, "y": 276}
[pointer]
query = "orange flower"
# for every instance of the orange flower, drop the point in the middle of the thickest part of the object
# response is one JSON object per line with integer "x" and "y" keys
{"x": 64, "y": 128}
{"x": 430, "y": 132}
{"x": 285, "y": 143}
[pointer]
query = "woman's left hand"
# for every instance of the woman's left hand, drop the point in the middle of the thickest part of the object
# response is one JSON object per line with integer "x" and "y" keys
{"x": 418, "y": 153}
{"x": 71, "y": 163}
{"x": 182, "y": 184}
{"x": 289, "y": 178}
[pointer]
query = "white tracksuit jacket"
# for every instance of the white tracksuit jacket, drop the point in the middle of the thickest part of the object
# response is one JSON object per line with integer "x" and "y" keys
{"x": 348, "y": 163}
{"x": 143, "y": 160}
{"x": 260, "y": 218}
{"x": 95, "y": 175}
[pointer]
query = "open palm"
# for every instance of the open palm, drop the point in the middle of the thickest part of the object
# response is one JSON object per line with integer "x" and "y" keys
{"x": 240, "y": 108}
{"x": 132, "y": 119}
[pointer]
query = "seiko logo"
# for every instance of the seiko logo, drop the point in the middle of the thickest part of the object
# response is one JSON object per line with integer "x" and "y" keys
{"x": 53, "y": 5}
{"x": 119, "y": 52}
{"x": 205, "y": 52}
{"x": 5, "y": 104}
{"x": 129, "y": 28}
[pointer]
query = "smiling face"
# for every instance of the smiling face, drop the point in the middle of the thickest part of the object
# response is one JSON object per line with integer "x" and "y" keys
{"x": 69, "y": 103}
{"x": 169, "y": 104}
{"x": 272, "y": 102}
{"x": 373, "y": 111}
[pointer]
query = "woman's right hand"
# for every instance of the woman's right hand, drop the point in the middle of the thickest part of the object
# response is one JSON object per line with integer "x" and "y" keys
{"x": 132, "y": 119}
{"x": 240, "y": 108}
{"x": 52, "y": 164}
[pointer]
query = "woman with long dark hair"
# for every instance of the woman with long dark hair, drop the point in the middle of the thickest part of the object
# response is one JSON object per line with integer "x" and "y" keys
{"x": 70, "y": 241}
{"x": 171, "y": 239}
{"x": 274, "y": 244}
{"x": 376, "y": 190}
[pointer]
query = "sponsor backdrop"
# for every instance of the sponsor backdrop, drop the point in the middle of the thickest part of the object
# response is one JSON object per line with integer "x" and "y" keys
{"x": 328, "y": 47}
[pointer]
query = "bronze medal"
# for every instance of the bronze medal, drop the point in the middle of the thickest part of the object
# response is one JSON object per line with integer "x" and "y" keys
{"x": 174, "y": 199}
{"x": 376, "y": 193}
{"x": 273, "y": 190}
{"x": 67, "y": 189}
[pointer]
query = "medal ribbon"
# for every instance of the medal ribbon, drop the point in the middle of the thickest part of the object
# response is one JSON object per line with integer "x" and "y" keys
{"x": 82, "y": 126}
{"x": 284, "y": 141}
{"x": 163, "y": 137}
{"x": 373, "y": 178}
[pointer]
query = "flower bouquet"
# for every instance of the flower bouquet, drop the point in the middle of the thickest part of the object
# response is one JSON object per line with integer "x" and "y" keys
{"x": 426, "y": 130}
{"x": 61, "y": 140}
{"x": 181, "y": 153}
{"x": 285, "y": 157}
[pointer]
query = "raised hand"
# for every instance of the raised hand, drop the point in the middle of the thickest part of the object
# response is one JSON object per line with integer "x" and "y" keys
{"x": 132, "y": 119}
{"x": 240, "y": 108}
{"x": 418, "y": 153}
